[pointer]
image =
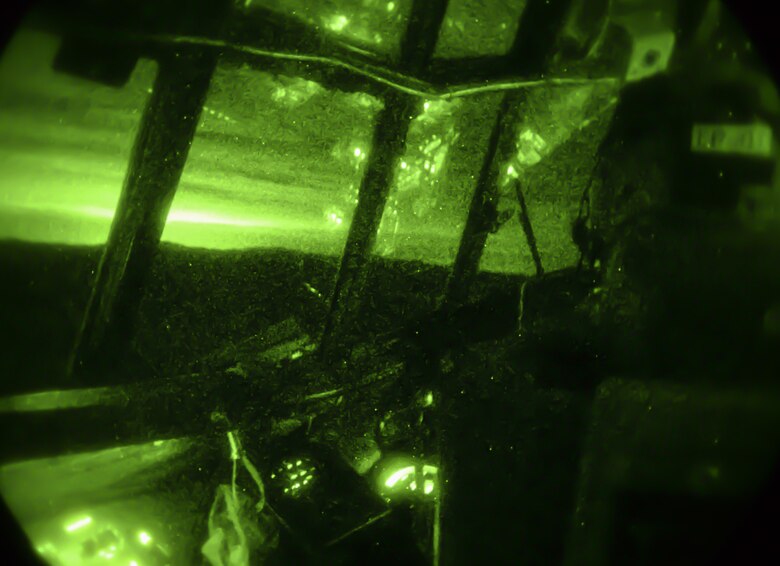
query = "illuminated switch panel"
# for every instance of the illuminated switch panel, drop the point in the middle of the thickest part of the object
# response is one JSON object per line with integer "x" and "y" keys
{"x": 752, "y": 140}
{"x": 295, "y": 476}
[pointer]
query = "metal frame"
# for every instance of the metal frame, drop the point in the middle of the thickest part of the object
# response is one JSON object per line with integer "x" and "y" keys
{"x": 142, "y": 410}
{"x": 532, "y": 54}
{"x": 158, "y": 158}
{"x": 281, "y": 44}
{"x": 187, "y": 61}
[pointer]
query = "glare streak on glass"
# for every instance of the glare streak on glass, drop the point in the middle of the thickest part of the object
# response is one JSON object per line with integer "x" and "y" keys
{"x": 78, "y": 524}
{"x": 64, "y": 142}
{"x": 57, "y": 400}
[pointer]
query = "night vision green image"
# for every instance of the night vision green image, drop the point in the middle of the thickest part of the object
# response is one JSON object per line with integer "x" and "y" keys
{"x": 419, "y": 282}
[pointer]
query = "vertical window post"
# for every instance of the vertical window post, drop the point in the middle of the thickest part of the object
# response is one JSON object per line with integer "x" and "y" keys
{"x": 158, "y": 157}
{"x": 389, "y": 140}
{"x": 531, "y": 54}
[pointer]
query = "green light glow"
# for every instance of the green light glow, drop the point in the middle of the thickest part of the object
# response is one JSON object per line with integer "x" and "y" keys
{"x": 295, "y": 477}
{"x": 180, "y": 216}
{"x": 337, "y": 23}
{"x": 80, "y": 524}
{"x": 144, "y": 537}
{"x": 55, "y": 400}
{"x": 234, "y": 455}
{"x": 399, "y": 476}
{"x": 56, "y": 483}
{"x": 402, "y": 479}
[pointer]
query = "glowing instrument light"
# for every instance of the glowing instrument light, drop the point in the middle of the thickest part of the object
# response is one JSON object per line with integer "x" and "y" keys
{"x": 81, "y": 523}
